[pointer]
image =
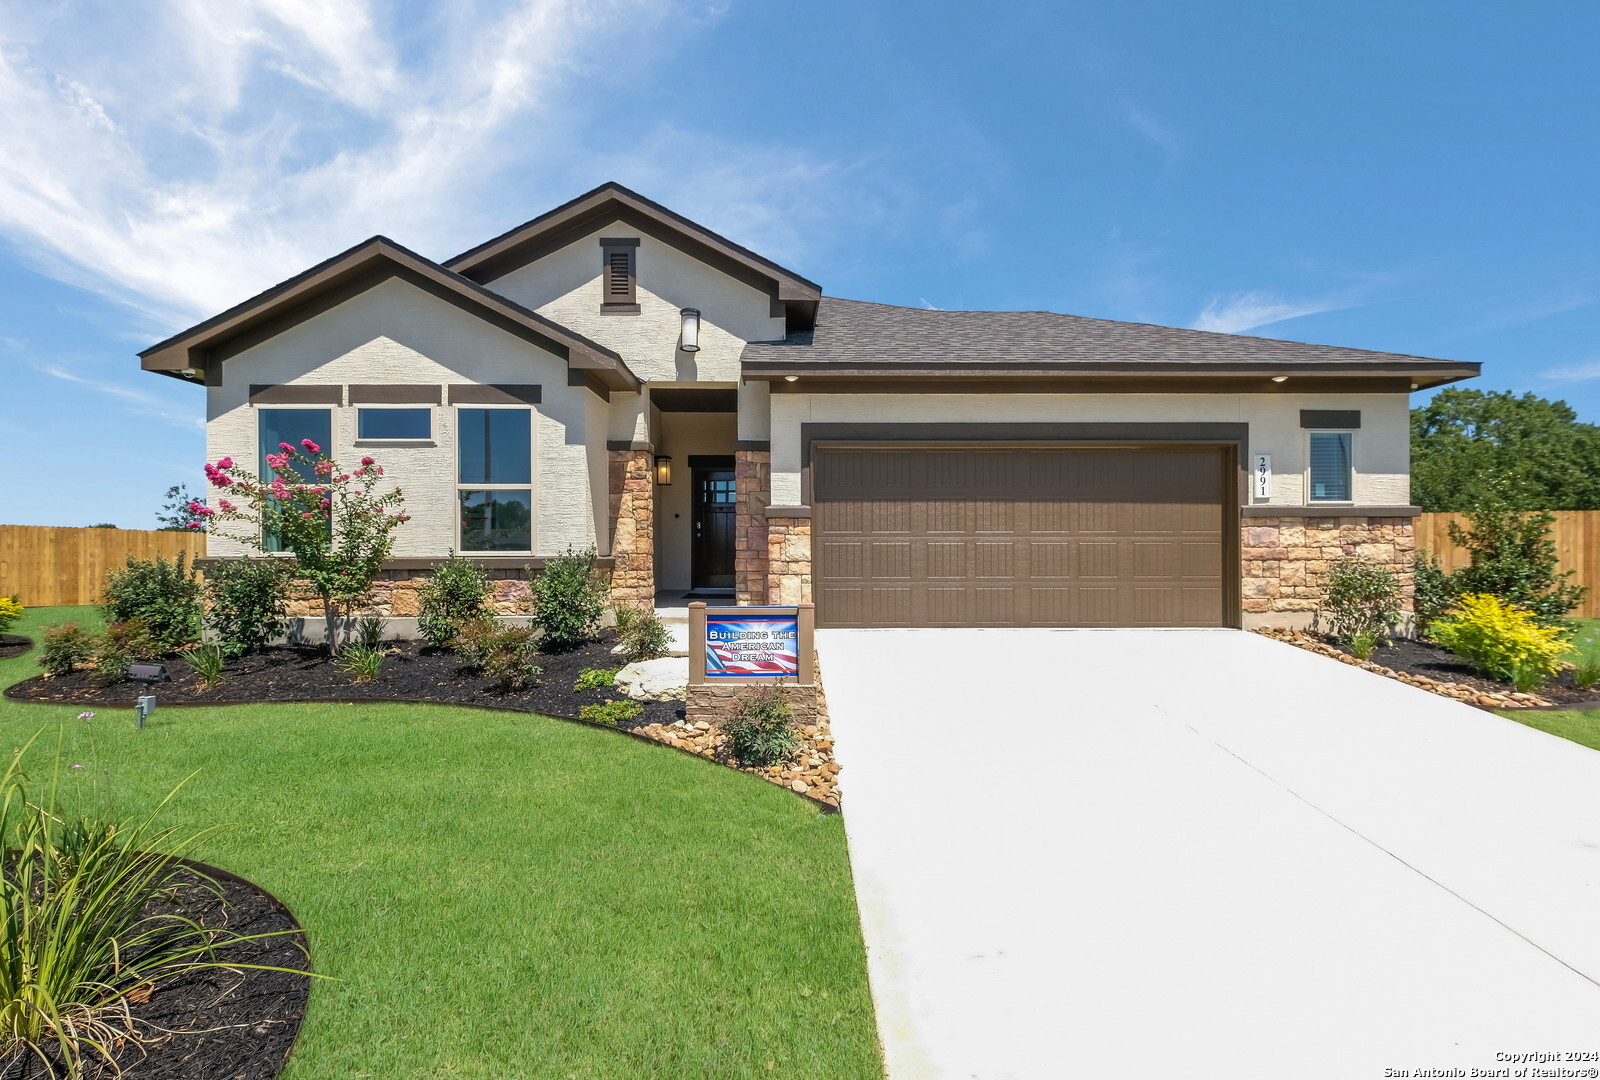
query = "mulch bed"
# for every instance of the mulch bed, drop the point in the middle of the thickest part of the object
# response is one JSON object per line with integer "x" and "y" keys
{"x": 217, "y": 1023}
{"x": 13, "y": 645}
{"x": 411, "y": 672}
{"x": 1421, "y": 658}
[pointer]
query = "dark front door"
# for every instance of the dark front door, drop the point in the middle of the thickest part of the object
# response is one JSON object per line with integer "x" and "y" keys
{"x": 713, "y": 510}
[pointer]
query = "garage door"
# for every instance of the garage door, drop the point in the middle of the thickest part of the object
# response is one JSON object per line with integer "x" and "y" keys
{"x": 1019, "y": 536}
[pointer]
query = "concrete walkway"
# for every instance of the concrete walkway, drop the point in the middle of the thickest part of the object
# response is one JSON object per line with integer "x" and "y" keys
{"x": 1204, "y": 854}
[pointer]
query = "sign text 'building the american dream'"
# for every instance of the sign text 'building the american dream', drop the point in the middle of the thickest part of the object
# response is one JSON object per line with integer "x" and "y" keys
{"x": 746, "y": 645}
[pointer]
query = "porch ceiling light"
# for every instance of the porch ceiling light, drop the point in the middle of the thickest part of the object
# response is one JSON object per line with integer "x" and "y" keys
{"x": 1280, "y": 378}
{"x": 791, "y": 378}
{"x": 664, "y": 470}
{"x": 689, "y": 339}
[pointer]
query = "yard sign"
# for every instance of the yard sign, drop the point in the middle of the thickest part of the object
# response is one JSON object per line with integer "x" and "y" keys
{"x": 752, "y": 644}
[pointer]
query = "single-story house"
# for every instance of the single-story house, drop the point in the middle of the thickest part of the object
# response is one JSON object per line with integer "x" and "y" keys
{"x": 611, "y": 374}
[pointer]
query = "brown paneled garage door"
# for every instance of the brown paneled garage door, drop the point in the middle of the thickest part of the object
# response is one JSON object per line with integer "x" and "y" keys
{"x": 1019, "y": 536}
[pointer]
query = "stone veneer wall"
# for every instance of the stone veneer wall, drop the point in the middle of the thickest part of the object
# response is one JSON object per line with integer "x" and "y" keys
{"x": 788, "y": 560}
{"x": 752, "y": 481}
{"x": 395, "y": 595}
{"x": 633, "y": 578}
{"x": 714, "y": 702}
{"x": 1285, "y": 561}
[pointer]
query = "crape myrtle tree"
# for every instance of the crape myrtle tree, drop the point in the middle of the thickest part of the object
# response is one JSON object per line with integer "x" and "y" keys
{"x": 338, "y": 525}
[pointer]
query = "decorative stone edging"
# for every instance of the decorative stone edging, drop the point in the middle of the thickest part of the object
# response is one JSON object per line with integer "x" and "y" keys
{"x": 1471, "y": 695}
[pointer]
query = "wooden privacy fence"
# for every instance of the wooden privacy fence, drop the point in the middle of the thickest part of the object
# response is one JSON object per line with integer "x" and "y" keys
{"x": 47, "y": 565}
{"x": 1577, "y": 537}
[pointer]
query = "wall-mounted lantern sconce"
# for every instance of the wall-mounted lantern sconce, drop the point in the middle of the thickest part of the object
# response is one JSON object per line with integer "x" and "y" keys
{"x": 689, "y": 340}
{"x": 664, "y": 470}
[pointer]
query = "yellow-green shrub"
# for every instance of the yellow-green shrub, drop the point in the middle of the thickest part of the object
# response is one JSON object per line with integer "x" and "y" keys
{"x": 10, "y": 612}
{"x": 1503, "y": 641}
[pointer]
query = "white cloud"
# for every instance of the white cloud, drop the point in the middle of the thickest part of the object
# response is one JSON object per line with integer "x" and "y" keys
{"x": 1154, "y": 129}
{"x": 1246, "y": 311}
{"x": 1579, "y": 372}
{"x": 181, "y": 155}
{"x": 139, "y": 401}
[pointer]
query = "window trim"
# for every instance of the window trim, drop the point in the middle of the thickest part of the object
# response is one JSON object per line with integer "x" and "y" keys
{"x": 427, "y": 440}
{"x": 531, "y": 487}
{"x": 610, "y": 247}
{"x": 1310, "y": 498}
{"x": 331, "y": 448}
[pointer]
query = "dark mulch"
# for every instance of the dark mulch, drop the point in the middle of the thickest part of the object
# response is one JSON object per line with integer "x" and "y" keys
{"x": 412, "y": 672}
{"x": 14, "y": 645}
{"x": 218, "y": 1023}
{"x": 1422, "y": 658}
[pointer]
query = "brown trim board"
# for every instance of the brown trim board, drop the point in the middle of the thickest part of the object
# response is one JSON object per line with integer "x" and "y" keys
{"x": 495, "y": 393}
{"x": 1330, "y": 418}
{"x": 395, "y": 394}
{"x": 296, "y": 394}
{"x": 1265, "y": 510}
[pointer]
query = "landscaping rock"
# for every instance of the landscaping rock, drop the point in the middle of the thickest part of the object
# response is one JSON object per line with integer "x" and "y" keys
{"x": 666, "y": 679}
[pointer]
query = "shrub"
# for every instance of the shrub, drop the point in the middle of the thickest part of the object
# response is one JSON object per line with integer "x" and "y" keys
{"x": 369, "y": 632}
{"x": 568, "y": 600}
{"x": 88, "y": 916}
{"x": 121, "y": 644}
{"x": 1514, "y": 558}
{"x": 245, "y": 605}
{"x": 10, "y": 612}
{"x": 592, "y": 678}
{"x": 1502, "y": 641}
{"x": 360, "y": 662}
{"x": 1586, "y": 671}
{"x": 612, "y": 712}
{"x": 642, "y": 634}
{"x": 457, "y": 593}
{"x": 1435, "y": 591}
{"x": 205, "y": 659}
{"x": 761, "y": 731}
{"x": 509, "y": 656}
{"x": 64, "y": 647}
{"x": 1363, "y": 645}
{"x": 164, "y": 596}
{"x": 1361, "y": 598}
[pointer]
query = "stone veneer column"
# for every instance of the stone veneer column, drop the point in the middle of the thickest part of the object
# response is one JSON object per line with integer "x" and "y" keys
{"x": 752, "y": 480}
{"x": 788, "y": 560}
{"x": 633, "y": 579}
{"x": 1285, "y": 561}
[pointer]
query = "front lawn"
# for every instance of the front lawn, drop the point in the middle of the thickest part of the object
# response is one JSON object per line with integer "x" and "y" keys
{"x": 511, "y": 896}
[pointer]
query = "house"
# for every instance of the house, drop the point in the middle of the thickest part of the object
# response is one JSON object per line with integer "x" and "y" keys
{"x": 613, "y": 374}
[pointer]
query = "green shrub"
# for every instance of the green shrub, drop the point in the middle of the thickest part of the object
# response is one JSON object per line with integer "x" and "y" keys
{"x": 205, "y": 659}
{"x": 121, "y": 644}
{"x": 1364, "y": 644}
{"x": 64, "y": 647}
{"x": 369, "y": 632}
{"x": 761, "y": 731}
{"x": 1514, "y": 558}
{"x": 1361, "y": 598}
{"x": 456, "y": 593}
{"x": 361, "y": 662}
{"x": 245, "y": 605}
{"x": 568, "y": 600}
{"x": 164, "y": 596}
{"x": 612, "y": 712}
{"x": 10, "y": 612}
{"x": 592, "y": 678}
{"x": 1435, "y": 591}
{"x": 1502, "y": 641}
{"x": 642, "y": 634}
{"x": 508, "y": 656}
{"x": 88, "y": 916}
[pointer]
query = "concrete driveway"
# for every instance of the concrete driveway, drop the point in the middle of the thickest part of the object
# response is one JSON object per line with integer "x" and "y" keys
{"x": 1205, "y": 854}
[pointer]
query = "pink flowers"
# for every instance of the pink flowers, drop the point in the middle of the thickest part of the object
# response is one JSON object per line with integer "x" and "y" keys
{"x": 279, "y": 462}
{"x": 215, "y": 474}
{"x": 225, "y": 463}
{"x": 286, "y": 448}
{"x": 200, "y": 509}
{"x": 311, "y": 447}
{"x": 323, "y": 468}
{"x": 368, "y": 461}
{"x": 226, "y": 506}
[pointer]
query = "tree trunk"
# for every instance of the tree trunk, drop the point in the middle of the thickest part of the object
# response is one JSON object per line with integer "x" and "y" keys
{"x": 330, "y": 615}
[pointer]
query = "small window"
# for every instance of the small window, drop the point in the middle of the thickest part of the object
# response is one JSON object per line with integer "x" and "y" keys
{"x": 494, "y": 477}
{"x": 394, "y": 423}
{"x": 1330, "y": 472}
{"x": 619, "y": 273}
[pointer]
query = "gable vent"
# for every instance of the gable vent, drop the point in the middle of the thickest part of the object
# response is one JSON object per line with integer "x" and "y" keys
{"x": 619, "y": 274}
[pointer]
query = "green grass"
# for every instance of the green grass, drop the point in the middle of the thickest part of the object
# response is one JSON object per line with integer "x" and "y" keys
{"x": 1580, "y": 726}
{"x": 510, "y": 896}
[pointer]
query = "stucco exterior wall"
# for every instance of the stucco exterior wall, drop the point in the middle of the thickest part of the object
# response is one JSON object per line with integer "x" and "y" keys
{"x": 682, "y": 434}
{"x": 1382, "y": 446}
{"x": 395, "y": 333}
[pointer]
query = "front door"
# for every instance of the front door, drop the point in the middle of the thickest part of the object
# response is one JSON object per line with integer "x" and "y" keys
{"x": 711, "y": 558}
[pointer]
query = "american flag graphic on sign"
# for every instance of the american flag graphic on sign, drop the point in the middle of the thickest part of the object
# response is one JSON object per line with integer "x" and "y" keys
{"x": 752, "y": 645}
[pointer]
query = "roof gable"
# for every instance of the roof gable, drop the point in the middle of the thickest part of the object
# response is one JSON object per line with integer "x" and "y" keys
{"x": 574, "y": 220}
{"x": 204, "y": 347}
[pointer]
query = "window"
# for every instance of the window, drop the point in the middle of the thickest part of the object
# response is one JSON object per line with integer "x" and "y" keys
{"x": 494, "y": 474}
{"x": 1330, "y": 472}
{"x": 274, "y": 426}
{"x": 394, "y": 423}
{"x": 619, "y": 272}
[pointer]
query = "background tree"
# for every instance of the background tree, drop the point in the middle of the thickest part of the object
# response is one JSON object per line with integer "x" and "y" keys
{"x": 1473, "y": 449}
{"x": 175, "y": 515}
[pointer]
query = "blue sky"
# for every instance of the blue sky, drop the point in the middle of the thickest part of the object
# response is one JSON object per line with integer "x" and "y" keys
{"x": 1417, "y": 177}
